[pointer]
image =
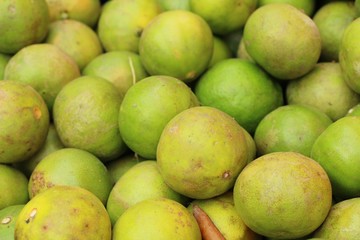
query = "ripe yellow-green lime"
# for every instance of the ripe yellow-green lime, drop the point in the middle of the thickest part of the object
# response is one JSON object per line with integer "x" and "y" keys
{"x": 64, "y": 212}
{"x": 166, "y": 5}
{"x": 133, "y": 17}
{"x": 208, "y": 149}
{"x": 8, "y": 218}
{"x": 130, "y": 189}
{"x": 71, "y": 167}
{"x": 24, "y": 121}
{"x": 307, "y": 6}
{"x": 342, "y": 222}
{"x": 45, "y": 67}
{"x": 332, "y": 20}
{"x": 318, "y": 88}
{"x": 176, "y": 43}
{"x": 224, "y": 16}
{"x": 154, "y": 219}
{"x": 23, "y": 22}
{"x": 290, "y": 128}
{"x": 336, "y": 149}
{"x": 13, "y": 186}
{"x": 147, "y": 107}
{"x": 76, "y": 39}
{"x": 283, "y": 195}
{"x": 221, "y": 51}
{"x": 349, "y": 55}
{"x": 122, "y": 68}
{"x": 86, "y": 113}
{"x": 283, "y": 40}
{"x": 86, "y": 11}
{"x": 241, "y": 89}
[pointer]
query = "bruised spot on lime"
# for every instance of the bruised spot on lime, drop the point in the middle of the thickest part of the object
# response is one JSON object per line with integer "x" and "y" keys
{"x": 6, "y": 220}
{"x": 37, "y": 112}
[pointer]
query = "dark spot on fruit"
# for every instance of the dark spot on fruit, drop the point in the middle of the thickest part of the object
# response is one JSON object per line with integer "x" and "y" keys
{"x": 37, "y": 112}
{"x": 139, "y": 32}
{"x": 44, "y": 227}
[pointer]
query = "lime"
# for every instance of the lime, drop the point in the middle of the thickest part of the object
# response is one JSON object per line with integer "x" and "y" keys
{"x": 208, "y": 149}
{"x": 71, "y": 167}
{"x": 241, "y": 89}
{"x": 336, "y": 149}
{"x": 318, "y": 88}
{"x": 176, "y": 43}
{"x": 307, "y": 6}
{"x": 224, "y": 16}
{"x": 13, "y": 187}
{"x": 23, "y": 22}
{"x": 166, "y": 5}
{"x": 8, "y": 217}
{"x": 332, "y": 20}
{"x": 283, "y": 40}
{"x": 283, "y": 195}
{"x": 45, "y": 67}
{"x": 122, "y": 68}
{"x": 4, "y": 59}
{"x": 147, "y": 107}
{"x": 221, "y": 51}
{"x": 24, "y": 121}
{"x": 86, "y": 113}
{"x": 354, "y": 111}
{"x": 76, "y": 39}
{"x": 290, "y": 128}
{"x": 64, "y": 212}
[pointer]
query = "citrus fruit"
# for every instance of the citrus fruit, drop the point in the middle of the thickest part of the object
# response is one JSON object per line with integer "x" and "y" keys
{"x": 147, "y": 107}
{"x": 354, "y": 111}
{"x": 43, "y": 66}
{"x": 224, "y": 16}
{"x": 332, "y": 20}
{"x": 23, "y": 22}
{"x": 4, "y": 59}
{"x": 307, "y": 6}
{"x": 64, "y": 212}
{"x": 134, "y": 16}
{"x": 290, "y": 128}
{"x": 357, "y": 5}
{"x": 349, "y": 55}
{"x": 86, "y": 113}
{"x": 159, "y": 218}
{"x": 318, "y": 88}
{"x": 242, "y": 52}
{"x": 129, "y": 189}
{"x": 72, "y": 167}
{"x": 166, "y": 5}
{"x": 76, "y": 39}
{"x": 122, "y": 68}
{"x": 283, "y": 195}
{"x": 222, "y": 212}
{"x": 24, "y": 121}
{"x": 343, "y": 221}
{"x": 86, "y": 11}
{"x": 208, "y": 149}
{"x": 8, "y": 217}
{"x": 221, "y": 51}
{"x": 241, "y": 89}
{"x": 13, "y": 187}
{"x": 283, "y": 40}
{"x": 51, "y": 144}
{"x": 176, "y": 43}
{"x": 336, "y": 149}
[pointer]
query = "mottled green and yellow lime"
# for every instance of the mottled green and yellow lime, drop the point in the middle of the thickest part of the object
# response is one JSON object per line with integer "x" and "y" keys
{"x": 134, "y": 16}
{"x": 147, "y": 107}
{"x": 283, "y": 195}
{"x": 45, "y": 67}
{"x": 307, "y": 6}
{"x": 349, "y": 55}
{"x": 283, "y": 40}
{"x": 13, "y": 187}
{"x": 337, "y": 150}
{"x": 86, "y": 113}
{"x": 221, "y": 51}
{"x": 177, "y": 43}
{"x": 166, "y": 5}
{"x": 318, "y": 88}
{"x": 64, "y": 212}
{"x": 8, "y": 218}
{"x": 241, "y": 89}
{"x": 155, "y": 219}
{"x": 208, "y": 149}
{"x": 24, "y": 121}
{"x": 292, "y": 128}
{"x": 224, "y": 16}
{"x": 23, "y": 22}
{"x": 332, "y": 20}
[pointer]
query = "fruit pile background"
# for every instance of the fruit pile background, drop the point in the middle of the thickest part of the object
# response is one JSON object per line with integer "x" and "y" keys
{"x": 179, "y": 119}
